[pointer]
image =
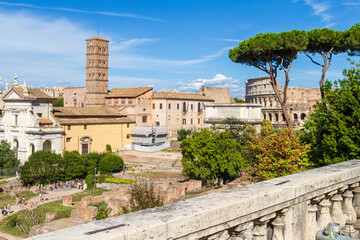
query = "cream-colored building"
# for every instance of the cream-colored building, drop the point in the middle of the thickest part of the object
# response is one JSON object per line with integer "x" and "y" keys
{"x": 90, "y": 129}
{"x": 178, "y": 110}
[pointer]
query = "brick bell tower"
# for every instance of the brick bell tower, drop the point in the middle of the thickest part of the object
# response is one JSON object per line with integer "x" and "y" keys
{"x": 97, "y": 56}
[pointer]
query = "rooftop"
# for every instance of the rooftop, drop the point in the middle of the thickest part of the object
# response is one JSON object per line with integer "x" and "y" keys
{"x": 86, "y": 112}
{"x": 181, "y": 96}
{"x": 128, "y": 92}
{"x": 97, "y": 38}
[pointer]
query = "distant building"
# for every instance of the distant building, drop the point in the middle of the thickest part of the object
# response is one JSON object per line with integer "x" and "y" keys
{"x": 149, "y": 138}
{"x": 300, "y": 101}
{"x": 220, "y": 95}
{"x": 89, "y": 129}
{"x": 74, "y": 97}
{"x": 177, "y": 110}
{"x": 133, "y": 102}
{"x": 27, "y": 123}
{"x": 244, "y": 112}
{"x": 97, "y": 59}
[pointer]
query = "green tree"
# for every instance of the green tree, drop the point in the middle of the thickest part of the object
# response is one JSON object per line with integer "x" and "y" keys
{"x": 92, "y": 161}
{"x": 42, "y": 167}
{"x": 59, "y": 102}
{"x": 183, "y": 133}
{"x": 326, "y": 43}
{"x": 73, "y": 165}
{"x": 353, "y": 40}
{"x": 333, "y": 131}
{"x": 8, "y": 159}
{"x": 276, "y": 153}
{"x": 269, "y": 53}
{"x": 210, "y": 155}
{"x": 111, "y": 163}
{"x": 239, "y": 100}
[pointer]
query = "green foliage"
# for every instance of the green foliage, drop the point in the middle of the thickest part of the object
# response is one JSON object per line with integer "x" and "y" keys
{"x": 108, "y": 147}
{"x": 276, "y": 153}
{"x": 59, "y": 102}
{"x": 353, "y": 39}
{"x": 42, "y": 167}
{"x": 183, "y": 133}
{"x": 333, "y": 129}
{"x": 111, "y": 163}
{"x": 103, "y": 210}
{"x": 92, "y": 161}
{"x": 239, "y": 100}
{"x": 8, "y": 159}
{"x": 208, "y": 155}
{"x": 90, "y": 181}
{"x": 119, "y": 180}
{"x": 73, "y": 165}
{"x": 324, "y": 40}
{"x": 142, "y": 196}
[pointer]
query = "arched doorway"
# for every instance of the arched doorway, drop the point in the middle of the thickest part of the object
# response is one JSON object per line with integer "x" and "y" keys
{"x": 295, "y": 116}
{"x": 303, "y": 116}
{"x": 277, "y": 117}
{"x": 47, "y": 145}
{"x": 270, "y": 117}
{"x": 85, "y": 144}
{"x": 16, "y": 144}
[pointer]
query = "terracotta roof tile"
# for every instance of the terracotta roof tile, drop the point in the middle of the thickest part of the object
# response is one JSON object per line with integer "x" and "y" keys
{"x": 45, "y": 121}
{"x": 97, "y": 38}
{"x": 128, "y": 92}
{"x": 33, "y": 93}
{"x": 181, "y": 96}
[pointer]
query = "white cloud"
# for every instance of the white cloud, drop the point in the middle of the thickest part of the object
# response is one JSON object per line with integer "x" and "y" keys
{"x": 127, "y": 15}
{"x": 226, "y": 39}
{"x": 351, "y": 3}
{"x": 320, "y": 9}
{"x": 219, "y": 80}
{"x": 125, "y": 81}
{"x": 130, "y": 43}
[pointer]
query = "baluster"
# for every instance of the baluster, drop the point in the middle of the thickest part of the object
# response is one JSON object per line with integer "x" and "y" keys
{"x": 259, "y": 230}
{"x": 224, "y": 235}
{"x": 325, "y": 217}
{"x": 356, "y": 204}
{"x": 278, "y": 225}
{"x": 243, "y": 232}
{"x": 350, "y": 215}
{"x": 312, "y": 224}
{"x": 336, "y": 212}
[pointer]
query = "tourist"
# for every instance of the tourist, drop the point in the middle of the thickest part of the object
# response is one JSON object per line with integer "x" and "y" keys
{"x": 40, "y": 196}
{"x": 4, "y": 210}
{"x": 23, "y": 199}
{"x": 8, "y": 208}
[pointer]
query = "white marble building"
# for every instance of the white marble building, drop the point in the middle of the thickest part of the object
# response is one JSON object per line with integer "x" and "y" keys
{"x": 27, "y": 123}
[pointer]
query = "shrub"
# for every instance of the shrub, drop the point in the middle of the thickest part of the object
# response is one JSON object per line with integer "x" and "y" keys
{"x": 90, "y": 181}
{"x": 42, "y": 167}
{"x": 276, "y": 153}
{"x": 92, "y": 161}
{"x": 103, "y": 210}
{"x": 183, "y": 133}
{"x": 8, "y": 159}
{"x": 111, "y": 163}
{"x": 142, "y": 196}
{"x": 59, "y": 102}
{"x": 108, "y": 147}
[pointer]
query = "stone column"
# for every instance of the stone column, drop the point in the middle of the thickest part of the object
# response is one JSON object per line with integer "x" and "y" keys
{"x": 336, "y": 212}
{"x": 312, "y": 224}
{"x": 242, "y": 232}
{"x": 325, "y": 217}
{"x": 259, "y": 230}
{"x": 356, "y": 204}
{"x": 278, "y": 226}
{"x": 350, "y": 215}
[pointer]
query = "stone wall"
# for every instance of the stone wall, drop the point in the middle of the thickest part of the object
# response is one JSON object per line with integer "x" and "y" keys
{"x": 282, "y": 208}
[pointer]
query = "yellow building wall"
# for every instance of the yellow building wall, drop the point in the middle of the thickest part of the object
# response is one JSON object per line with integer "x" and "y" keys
{"x": 117, "y": 135}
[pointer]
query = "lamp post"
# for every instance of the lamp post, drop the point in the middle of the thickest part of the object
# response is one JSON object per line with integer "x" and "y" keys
{"x": 95, "y": 178}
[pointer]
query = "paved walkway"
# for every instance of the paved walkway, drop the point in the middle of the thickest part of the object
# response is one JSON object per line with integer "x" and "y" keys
{"x": 50, "y": 197}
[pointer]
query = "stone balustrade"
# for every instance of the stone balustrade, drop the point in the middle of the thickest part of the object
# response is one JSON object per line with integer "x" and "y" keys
{"x": 293, "y": 207}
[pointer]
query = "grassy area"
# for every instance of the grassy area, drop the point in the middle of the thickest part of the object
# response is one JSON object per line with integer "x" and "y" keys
{"x": 118, "y": 180}
{"x": 157, "y": 175}
{"x": 91, "y": 192}
{"x": 8, "y": 225}
{"x": 6, "y": 198}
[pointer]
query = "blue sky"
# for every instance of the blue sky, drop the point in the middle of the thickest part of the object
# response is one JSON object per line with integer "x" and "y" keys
{"x": 177, "y": 45}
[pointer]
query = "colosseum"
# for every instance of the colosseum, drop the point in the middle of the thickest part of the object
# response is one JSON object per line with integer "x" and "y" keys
{"x": 300, "y": 101}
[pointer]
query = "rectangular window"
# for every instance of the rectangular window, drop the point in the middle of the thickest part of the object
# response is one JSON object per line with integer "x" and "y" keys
{"x": 142, "y": 101}
{"x": 160, "y": 105}
{"x": 69, "y": 127}
{"x": 144, "y": 119}
{"x": 39, "y": 114}
{"x": 85, "y": 127}
{"x": 16, "y": 120}
{"x": 157, "y": 123}
{"x": 198, "y": 120}
{"x": 192, "y": 106}
{"x": 191, "y": 121}
{"x": 127, "y": 125}
{"x": 169, "y": 105}
{"x": 109, "y": 101}
{"x": 128, "y": 136}
{"x": 130, "y": 101}
{"x": 153, "y": 105}
{"x": 116, "y": 101}
{"x": 138, "y": 100}
{"x": 178, "y": 106}
{"x": 184, "y": 121}
{"x": 122, "y": 101}
{"x": 68, "y": 140}
{"x": 145, "y": 100}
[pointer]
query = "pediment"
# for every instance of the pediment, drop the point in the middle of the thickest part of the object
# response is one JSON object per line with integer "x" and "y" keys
{"x": 11, "y": 94}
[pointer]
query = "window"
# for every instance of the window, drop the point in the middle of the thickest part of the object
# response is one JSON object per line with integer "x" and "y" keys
{"x": 184, "y": 106}
{"x": 109, "y": 101}
{"x": 160, "y": 105}
{"x": 199, "y": 107}
{"x": 178, "y": 106}
{"x": 69, "y": 127}
{"x": 138, "y": 100}
{"x": 149, "y": 100}
{"x": 145, "y": 100}
{"x": 153, "y": 105}
{"x": 157, "y": 123}
{"x": 85, "y": 127}
{"x": 75, "y": 103}
{"x": 122, "y": 101}
{"x": 116, "y": 101}
{"x": 68, "y": 139}
{"x": 144, "y": 119}
{"x": 184, "y": 121}
{"x": 128, "y": 136}
{"x": 192, "y": 106}
{"x": 142, "y": 101}
{"x": 191, "y": 121}
{"x": 16, "y": 120}
{"x": 169, "y": 105}
{"x": 198, "y": 120}
{"x": 130, "y": 101}
{"x": 39, "y": 114}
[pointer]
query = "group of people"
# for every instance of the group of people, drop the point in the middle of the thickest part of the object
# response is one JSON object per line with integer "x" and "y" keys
{"x": 6, "y": 210}
{"x": 20, "y": 200}
{"x": 75, "y": 184}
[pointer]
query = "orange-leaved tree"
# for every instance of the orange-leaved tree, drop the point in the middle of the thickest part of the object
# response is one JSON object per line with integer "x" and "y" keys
{"x": 276, "y": 152}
